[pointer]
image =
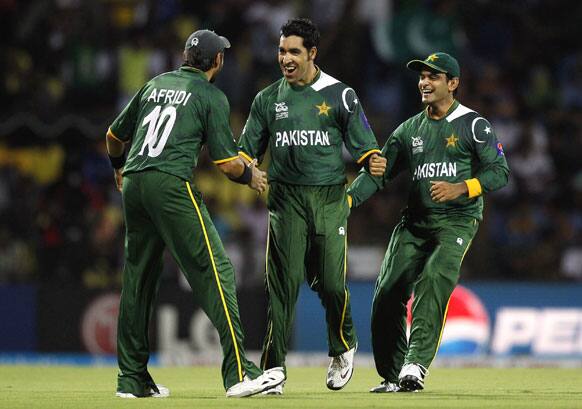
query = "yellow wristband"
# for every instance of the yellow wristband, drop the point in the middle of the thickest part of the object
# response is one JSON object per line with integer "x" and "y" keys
{"x": 474, "y": 187}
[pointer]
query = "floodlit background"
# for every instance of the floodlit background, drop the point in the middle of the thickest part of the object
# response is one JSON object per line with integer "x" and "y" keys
{"x": 69, "y": 66}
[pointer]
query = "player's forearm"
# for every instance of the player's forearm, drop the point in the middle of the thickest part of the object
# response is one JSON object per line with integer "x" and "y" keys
{"x": 488, "y": 180}
{"x": 233, "y": 168}
{"x": 363, "y": 187}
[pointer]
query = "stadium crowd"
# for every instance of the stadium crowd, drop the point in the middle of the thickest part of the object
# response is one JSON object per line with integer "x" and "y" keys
{"x": 70, "y": 65}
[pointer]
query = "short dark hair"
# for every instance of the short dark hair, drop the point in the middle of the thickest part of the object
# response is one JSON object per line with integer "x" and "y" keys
{"x": 304, "y": 28}
{"x": 194, "y": 58}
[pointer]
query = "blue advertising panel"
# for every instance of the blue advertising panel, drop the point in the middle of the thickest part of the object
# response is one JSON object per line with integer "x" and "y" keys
{"x": 501, "y": 319}
{"x": 18, "y": 312}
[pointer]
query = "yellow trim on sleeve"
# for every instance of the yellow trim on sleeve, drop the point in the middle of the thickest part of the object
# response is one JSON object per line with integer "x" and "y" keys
{"x": 365, "y": 155}
{"x": 226, "y": 312}
{"x": 110, "y": 134}
{"x": 474, "y": 187}
{"x": 244, "y": 155}
{"x": 218, "y": 162}
{"x": 350, "y": 200}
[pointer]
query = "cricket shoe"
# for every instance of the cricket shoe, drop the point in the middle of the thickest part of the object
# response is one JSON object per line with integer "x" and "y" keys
{"x": 162, "y": 392}
{"x": 340, "y": 369}
{"x": 248, "y": 387}
{"x": 411, "y": 377}
{"x": 276, "y": 391}
{"x": 386, "y": 387}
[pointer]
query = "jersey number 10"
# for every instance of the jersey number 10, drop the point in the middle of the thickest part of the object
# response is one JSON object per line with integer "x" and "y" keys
{"x": 155, "y": 120}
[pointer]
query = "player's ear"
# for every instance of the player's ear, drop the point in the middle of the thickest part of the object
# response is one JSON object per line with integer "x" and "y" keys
{"x": 453, "y": 84}
{"x": 312, "y": 53}
{"x": 217, "y": 60}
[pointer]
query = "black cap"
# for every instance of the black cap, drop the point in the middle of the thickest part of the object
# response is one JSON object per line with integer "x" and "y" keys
{"x": 207, "y": 42}
{"x": 439, "y": 61}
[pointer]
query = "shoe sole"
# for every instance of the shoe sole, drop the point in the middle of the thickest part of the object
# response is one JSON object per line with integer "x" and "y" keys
{"x": 410, "y": 384}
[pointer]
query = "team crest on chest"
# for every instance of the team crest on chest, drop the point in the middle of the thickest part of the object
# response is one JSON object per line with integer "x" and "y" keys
{"x": 323, "y": 109}
{"x": 281, "y": 110}
{"x": 417, "y": 144}
{"x": 452, "y": 141}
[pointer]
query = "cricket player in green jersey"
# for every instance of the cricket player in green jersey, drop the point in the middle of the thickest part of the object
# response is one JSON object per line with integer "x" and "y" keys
{"x": 305, "y": 119}
{"x": 453, "y": 157}
{"x": 168, "y": 121}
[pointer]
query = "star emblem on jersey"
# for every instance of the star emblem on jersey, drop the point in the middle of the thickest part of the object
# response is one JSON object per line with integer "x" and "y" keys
{"x": 323, "y": 109}
{"x": 452, "y": 140}
{"x": 432, "y": 58}
{"x": 487, "y": 130}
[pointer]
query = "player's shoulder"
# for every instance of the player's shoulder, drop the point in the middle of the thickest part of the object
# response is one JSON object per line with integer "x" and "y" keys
{"x": 413, "y": 122}
{"x": 332, "y": 89}
{"x": 470, "y": 123}
{"x": 463, "y": 115}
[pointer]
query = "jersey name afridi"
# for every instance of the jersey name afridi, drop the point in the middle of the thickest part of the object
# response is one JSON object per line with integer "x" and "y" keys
{"x": 305, "y": 128}
{"x": 169, "y": 120}
{"x": 459, "y": 147}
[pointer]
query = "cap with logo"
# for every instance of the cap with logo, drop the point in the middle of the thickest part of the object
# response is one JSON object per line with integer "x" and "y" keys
{"x": 207, "y": 42}
{"x": 439, "y": 62}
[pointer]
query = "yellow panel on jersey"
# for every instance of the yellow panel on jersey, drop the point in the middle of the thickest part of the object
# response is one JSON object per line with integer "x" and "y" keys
{"x": 365, "y": 155}
{"x": 474, "y": 187}
{"x": 110, "y": 134}
{"x": 218, "y": 162}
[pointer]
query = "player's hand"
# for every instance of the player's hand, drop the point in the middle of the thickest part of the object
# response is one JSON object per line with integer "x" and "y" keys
{"x": 377, "y": 165}
{"x": 118, "y": 178}
{"x": 441, "y": 192}
{"x": 259, "y": 180}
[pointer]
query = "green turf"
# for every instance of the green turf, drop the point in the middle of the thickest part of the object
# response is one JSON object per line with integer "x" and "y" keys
{"x": 200, "y": 387}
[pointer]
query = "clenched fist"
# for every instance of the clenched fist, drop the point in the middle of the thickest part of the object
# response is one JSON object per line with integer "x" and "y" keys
{"x": 377, "y": 164}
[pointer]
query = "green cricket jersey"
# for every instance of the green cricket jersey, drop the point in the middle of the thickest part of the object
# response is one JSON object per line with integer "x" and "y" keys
{"x": 169, "y": 120}
{"x": 462, "y": 146}
{"x": 305, "y": 127}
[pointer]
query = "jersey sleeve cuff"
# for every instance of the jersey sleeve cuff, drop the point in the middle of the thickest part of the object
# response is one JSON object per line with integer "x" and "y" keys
{"x": 111, "y": 135}
{"x": 245, "y": 156}
{"x": 365, "y": 155}
{"x": 219, "y": 161}
{"x": 474, "y": 187}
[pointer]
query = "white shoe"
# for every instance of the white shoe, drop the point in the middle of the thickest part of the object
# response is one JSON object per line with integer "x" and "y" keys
{"x": 269, "y": 379}
{"x": 276, "y": 391}
{"x": 411, "y": 377}
{"x": 386, "y": 387}
{"x": 163, "y": 393}
{"x": 340, "y": 369}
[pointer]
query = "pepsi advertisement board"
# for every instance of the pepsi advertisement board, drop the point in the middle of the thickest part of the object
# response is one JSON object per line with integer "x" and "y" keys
{"x": 499, "y": 319}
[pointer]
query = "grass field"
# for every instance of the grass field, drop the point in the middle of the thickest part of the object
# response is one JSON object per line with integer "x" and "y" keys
{"x": 200, "y": 387}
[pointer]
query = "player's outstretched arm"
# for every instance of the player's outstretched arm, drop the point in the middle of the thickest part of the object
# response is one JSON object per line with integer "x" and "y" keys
{"x": 249, "y": 175}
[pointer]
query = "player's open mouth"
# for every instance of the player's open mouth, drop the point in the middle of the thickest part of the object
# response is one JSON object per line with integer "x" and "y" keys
{"x": 426, "y": 91}
{"x": 289, "y": 69}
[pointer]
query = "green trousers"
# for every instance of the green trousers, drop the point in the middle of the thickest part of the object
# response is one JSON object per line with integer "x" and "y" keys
{"x": 423, "y": 258}
{"x": 162, "y": 211}
{"x": 307, "y": 240}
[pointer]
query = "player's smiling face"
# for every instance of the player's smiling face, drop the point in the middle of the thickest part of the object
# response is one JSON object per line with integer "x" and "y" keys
{"x": 435, "y": 87}
{"x": 296, "y": 62}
